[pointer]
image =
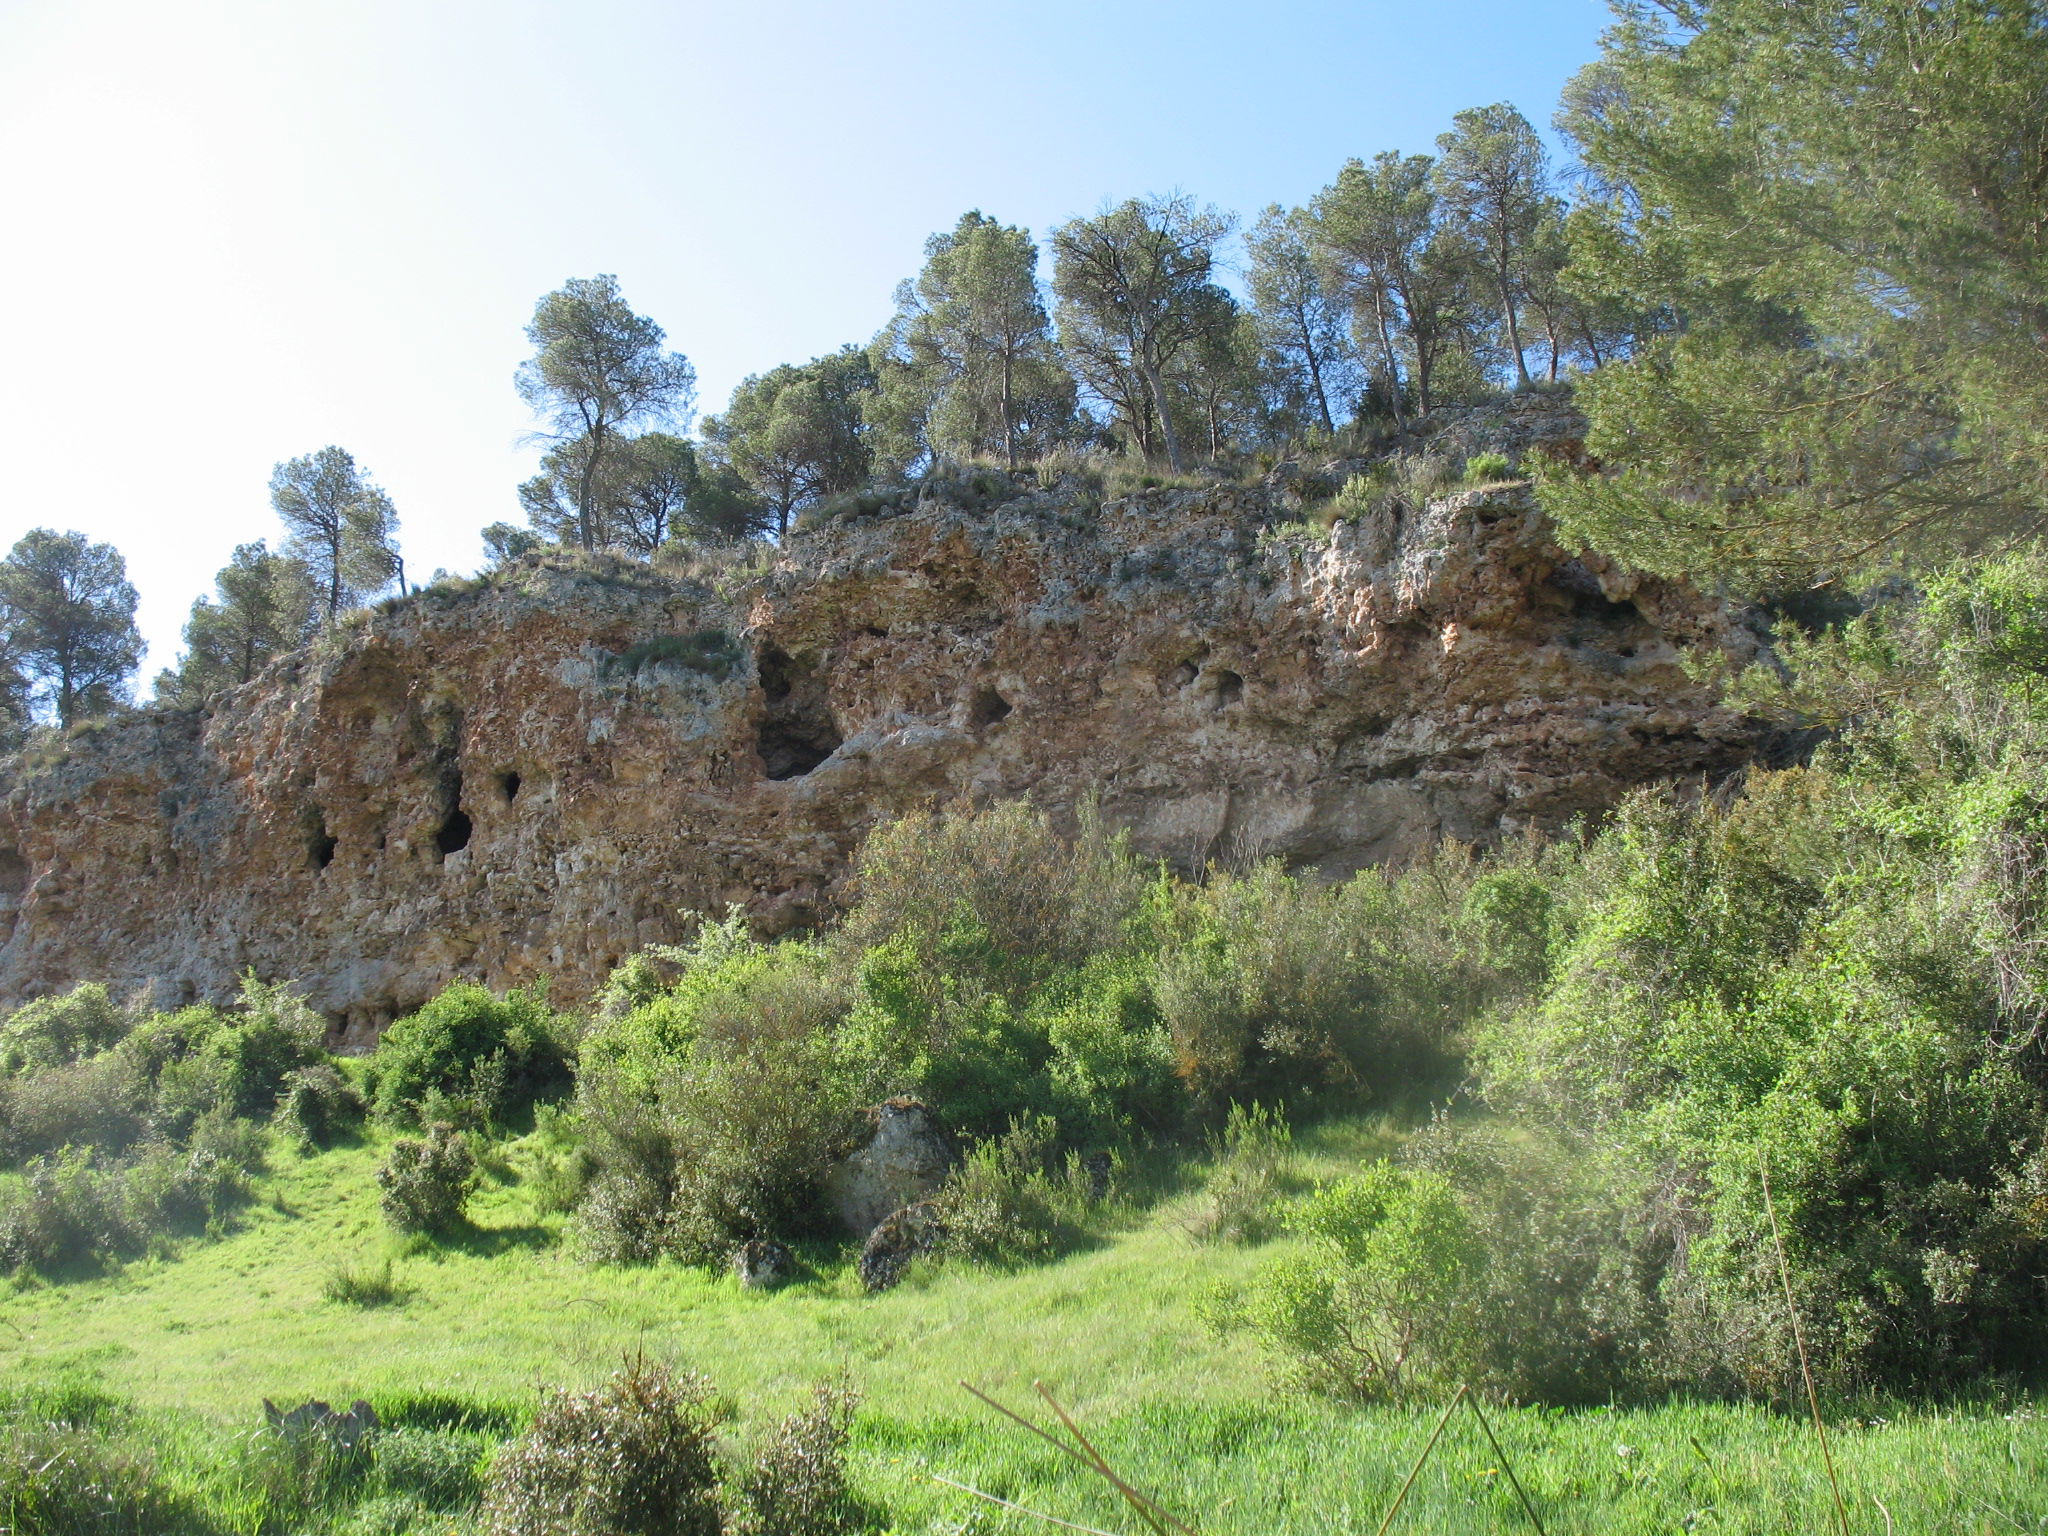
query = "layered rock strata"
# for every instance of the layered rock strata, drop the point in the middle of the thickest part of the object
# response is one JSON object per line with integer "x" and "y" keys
{"x": 543, "y": 772}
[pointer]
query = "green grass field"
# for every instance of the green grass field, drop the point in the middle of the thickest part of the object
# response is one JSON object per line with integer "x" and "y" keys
{"x": 198, "y": 1339}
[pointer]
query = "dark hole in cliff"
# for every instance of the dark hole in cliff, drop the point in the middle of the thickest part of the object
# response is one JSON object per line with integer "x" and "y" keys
{"x": 793, "y": 744}
{"x": 319, "y": 845}
{"x": 774, "y": 666}
{"x": 452, "y": 836}
{"x": 1225, "y": 688}
{"x": 797, "y": 728}
{"x": 1589, "y": 605}
{"x": 987, "y": 708}
{"x": 13, "y": 872}
{"x": 1180, "y": 676}
{"x": 508, "y": 786}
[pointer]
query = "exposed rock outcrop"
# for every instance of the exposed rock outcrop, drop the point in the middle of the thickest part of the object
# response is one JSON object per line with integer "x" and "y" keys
{"x": 538, "y": 774}
{"x": 903, "y": 1161}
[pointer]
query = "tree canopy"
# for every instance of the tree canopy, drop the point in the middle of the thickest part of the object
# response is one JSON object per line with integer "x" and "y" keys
{"x": 1837, "y": 213}
{"x": 339, "y": 522}
{"x": 69, "y": 613}
{"x": 597, "y": 369}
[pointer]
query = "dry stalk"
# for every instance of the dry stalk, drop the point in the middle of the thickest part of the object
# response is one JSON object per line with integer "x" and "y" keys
{"x": 1147, "y": 1509}
{"x": 1799, "y": 1342}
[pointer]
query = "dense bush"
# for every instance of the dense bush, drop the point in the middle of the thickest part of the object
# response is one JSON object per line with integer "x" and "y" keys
{"x": 317, "y": 1104}
{"x": 1376, "y": 1301}
{"x": 1014, "y": 1200}
{"x": 483, "y": 1056}
{"x": 56, "y": 1031}
{"x": 633, "y": 1458}
{"x": 797, "y": 1483}
{"x": 425, "y": 1184}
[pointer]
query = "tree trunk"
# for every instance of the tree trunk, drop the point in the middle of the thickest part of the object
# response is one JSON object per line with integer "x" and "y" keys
{"x": 1379, "y": 311}
{"x": 1507, "y": 304}
{"x": 1315, "y": 379}
{"x": 1157, "y": 381}
{"x": 584, "y": 531}
{"x": 1009, "y": 425}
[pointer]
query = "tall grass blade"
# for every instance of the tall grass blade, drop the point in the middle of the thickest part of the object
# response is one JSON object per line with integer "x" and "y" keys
{"x": 1021, "y": 1509}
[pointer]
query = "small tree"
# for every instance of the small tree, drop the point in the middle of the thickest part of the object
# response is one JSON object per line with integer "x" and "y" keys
{"x": 597, "y": 369}
{"x": 339, "y": 522}
{"x": 1493, "y": 178}
{"x": 68, "y": 612}
{"x": 797, "y": 433}
{"x": 967, "y": 366}
{"x": 424, "y": 1185}
{"x": 1134, "y": 293}
{"x": 1299, "y": 322}
{"x": 265, "y": 604}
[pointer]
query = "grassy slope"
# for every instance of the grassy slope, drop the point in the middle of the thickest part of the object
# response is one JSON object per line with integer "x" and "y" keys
{"x": 210, "y": 1331}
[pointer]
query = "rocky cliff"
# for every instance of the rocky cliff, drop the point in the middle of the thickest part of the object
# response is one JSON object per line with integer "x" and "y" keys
{"x": 537, "y": 774}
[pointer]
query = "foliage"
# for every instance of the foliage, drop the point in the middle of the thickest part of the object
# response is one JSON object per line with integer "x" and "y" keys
{"x": 340, "y": 526}
{"x": 633, "y": 1458}
{"x": 797, "y": 1485}
{"x": 597, "y": 369}
{"x": 967, "y": 369}
{"x": 475, "y": 1052}
{"x": 316, "y": 1104}
{"x": 1013, "y": 1200}
{"x": 266, "y": 605}
{"x": 67, "y": 610}
{"x": 1846, "y": 371}
{"x": 55, "y": 1031}
{"x": 1135, "y": 294}
{"x": 797, "y": 433}
{"x": 1372, "y": 1305}
{"x": 1486, "y": 468}
{"x": 713, "y": 652}
{"x": 425, "y": 1184}
{"x": 1254, "y": 1166}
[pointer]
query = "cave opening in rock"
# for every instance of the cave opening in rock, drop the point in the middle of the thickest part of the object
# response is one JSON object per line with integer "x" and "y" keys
{"x": 1225, "y": 688}
{"x": 774, "y": 667}
{"x": 987, "y": 708}
{"x": 508, "y": 785}
{"x": 319, "y": 842}
{"x": 452, "y": 836}
{"x": 793, "y": 744}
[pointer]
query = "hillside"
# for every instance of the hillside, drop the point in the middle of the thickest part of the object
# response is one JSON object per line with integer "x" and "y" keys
{"x": 539, "y": 773}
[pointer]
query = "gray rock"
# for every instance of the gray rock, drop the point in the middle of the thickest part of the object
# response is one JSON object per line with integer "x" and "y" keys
{"x": 904, "y": 1161}
{"x": 762, "y": 1265}
{"x": 896, "y": 1240}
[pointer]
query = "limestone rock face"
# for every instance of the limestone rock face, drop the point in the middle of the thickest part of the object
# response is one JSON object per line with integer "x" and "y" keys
{"x": 903, "y": 1162}
{"x": 539, "y": 774}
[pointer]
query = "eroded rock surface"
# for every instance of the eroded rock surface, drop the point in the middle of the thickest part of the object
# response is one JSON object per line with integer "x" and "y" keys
{"x": 537, "y": 776}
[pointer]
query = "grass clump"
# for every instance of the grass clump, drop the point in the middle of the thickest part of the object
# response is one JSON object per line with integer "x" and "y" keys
{"x": 714, "y": 653}
{"x": 362, "y": 1285}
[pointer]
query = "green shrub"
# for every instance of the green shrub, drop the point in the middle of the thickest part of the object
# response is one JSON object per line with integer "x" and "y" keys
{"x": 499, "y": 1053}
{"x": 169, "y": 1189}
{"x": 1488, "y": 468}
{"x": 1373, "y": 1304}
{"x": 97, "y": 1103}
{"x": 712, "y": 1113}
{"x": 317, "y": 1105}
{"x": 60, "y": 1479}
{"x": 713, "y": 652}
{"x": 237, "y": 1062}
{"x": 1014, "y": 1200}
{"x": 424, "y": 1185}
{"x": 797, "y": 1483}
{"x": 56, "y": 1031}
{"x": 64, "y": 1214}
{"x": 633, "y": 1458}
{"x": 1254, "y": 1169}
{"x": 360, "y": 1285}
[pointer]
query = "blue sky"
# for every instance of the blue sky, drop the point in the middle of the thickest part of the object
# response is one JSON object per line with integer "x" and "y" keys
{"x": 232, "y": 231}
